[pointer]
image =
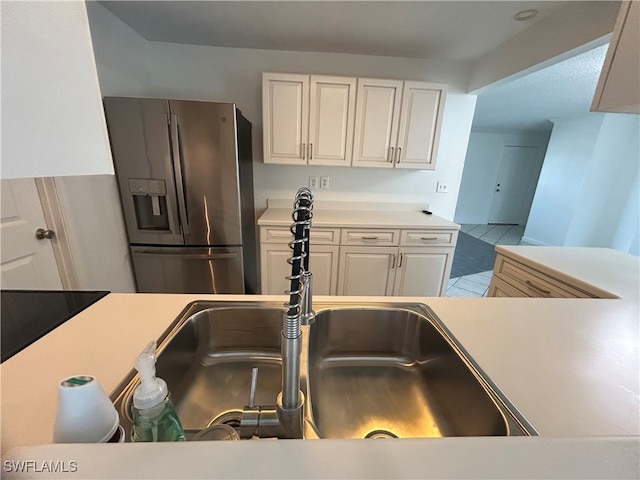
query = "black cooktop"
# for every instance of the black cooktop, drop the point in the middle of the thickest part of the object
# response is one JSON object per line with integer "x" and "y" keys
{"x": 27, "y": 315}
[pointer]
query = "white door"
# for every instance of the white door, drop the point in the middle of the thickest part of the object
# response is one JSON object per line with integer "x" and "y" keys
{"x": 285, "y": 113}
{"x": 420, "y": 121}
{"x": 423, "y": 272}
{"x": 367, "y": 270}
{"x": 331, "y": 112}
{"x": 26, "y": 261}
{"x": 377, "y": 119}
{"x": 515, "y": 186}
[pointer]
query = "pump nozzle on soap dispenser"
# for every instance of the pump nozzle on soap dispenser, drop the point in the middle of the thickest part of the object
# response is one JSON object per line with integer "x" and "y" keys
{"x": 154, "y": 418}
{"x": 152, "y": 390}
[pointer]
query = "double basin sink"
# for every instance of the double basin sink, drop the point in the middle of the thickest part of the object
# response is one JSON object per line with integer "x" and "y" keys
{"x": 367, "y": 371}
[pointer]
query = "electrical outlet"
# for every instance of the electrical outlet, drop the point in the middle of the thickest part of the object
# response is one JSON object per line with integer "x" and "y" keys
{"x": 441, "y": 187}
{"x": 324, "y": 183}
{"x": 314, "y": 182}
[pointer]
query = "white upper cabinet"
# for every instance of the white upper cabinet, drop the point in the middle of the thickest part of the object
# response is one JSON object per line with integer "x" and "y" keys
{"x": 308, "y": 119}
{"x": 377, "y": 119}
{"x": 344, "y": 121}
{"x": 331, "y": 113}
{"x": 618, "y": 88}
{"x": 420, "y": 122}
{"x": 285, "y": 110}
{"x": 398, "y": 123}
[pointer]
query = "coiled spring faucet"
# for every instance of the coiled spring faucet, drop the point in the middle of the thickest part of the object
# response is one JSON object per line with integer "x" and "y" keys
{"x": 285, "y": 420}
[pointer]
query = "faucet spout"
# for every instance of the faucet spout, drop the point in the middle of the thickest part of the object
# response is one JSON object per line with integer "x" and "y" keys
{"x": 286, "y": 419}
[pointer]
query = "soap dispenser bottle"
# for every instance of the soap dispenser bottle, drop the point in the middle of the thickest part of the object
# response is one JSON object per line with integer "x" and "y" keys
{"x": 154, "y": 418}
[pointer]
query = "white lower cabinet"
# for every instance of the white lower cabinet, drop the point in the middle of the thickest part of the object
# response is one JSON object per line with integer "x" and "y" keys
{"x": 363, "y": 261}
{"x": 367, "y": 270}
{"x": 408, "y": 271}
{"x": 423, "y": 271}
{"x": 323, "y": 264}
{"x": 511, "y": 278}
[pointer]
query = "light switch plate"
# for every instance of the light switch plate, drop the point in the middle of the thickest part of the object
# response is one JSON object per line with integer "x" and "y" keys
{"x": 314, "y": 182}
{"x": 441, "y": 187}
{"x": 324, "y": 182}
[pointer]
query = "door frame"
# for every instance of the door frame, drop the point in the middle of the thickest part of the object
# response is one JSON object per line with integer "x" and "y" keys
{"x": 52, "y": 210}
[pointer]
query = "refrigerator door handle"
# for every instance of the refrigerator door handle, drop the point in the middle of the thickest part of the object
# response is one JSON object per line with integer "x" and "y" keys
{"x": 192, "y": 256}
{"x": 177, "y": 168}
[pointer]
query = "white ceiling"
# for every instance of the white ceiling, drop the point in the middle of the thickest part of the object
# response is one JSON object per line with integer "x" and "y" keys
{"x": 559, "y": 91}
{"x": 453, "y": 30}
{"x": 457, "y": 30}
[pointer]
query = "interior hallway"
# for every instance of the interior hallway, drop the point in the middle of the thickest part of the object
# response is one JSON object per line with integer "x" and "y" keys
{"x": 477, "y": 284}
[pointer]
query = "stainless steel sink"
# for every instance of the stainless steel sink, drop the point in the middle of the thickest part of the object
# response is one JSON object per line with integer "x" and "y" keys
{"x": 384, "y": 373}
{"x": 367, "y": 371}
{"x": 206, "y": 358}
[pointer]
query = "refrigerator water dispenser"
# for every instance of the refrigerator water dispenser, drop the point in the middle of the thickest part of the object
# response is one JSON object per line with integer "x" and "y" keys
{"x": 150, "y": 203}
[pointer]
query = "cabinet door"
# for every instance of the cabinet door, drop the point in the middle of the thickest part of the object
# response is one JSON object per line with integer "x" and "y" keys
{"x": 420, "y": 122}
{"x": 285, "y": 118}
{"x": 367, "y": 270}
{"x": 423, "y": 271}
{"x": 275, "y": 269}
{"x": 377, "y": 118}
{"x": 332, "y": 109}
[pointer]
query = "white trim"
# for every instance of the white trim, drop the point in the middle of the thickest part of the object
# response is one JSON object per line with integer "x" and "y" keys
{"x": 531, "y": 241}
{"x": 55, "y": 221}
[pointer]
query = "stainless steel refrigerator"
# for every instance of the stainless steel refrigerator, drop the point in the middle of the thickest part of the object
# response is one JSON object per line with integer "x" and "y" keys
{"x": 185, "y": 177}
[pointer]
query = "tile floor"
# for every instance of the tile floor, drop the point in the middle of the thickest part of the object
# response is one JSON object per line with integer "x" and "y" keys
{"x": 477, "y": 285}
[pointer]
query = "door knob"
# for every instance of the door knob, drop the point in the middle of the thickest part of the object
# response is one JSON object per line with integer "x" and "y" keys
{"x": 41, "y": 233}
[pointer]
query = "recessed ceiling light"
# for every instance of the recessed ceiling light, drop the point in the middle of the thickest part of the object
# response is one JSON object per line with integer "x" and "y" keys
{"x": 525, "y": 15}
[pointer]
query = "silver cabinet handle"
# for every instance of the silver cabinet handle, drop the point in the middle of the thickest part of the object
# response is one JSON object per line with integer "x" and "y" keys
{"x": 41, "y": 234}
{"x": 538, "y": 289}
{"x": 398, "y": 154}
{"x": 304, "y": 151}
{"x": 177, "y": 167}
{"x": 391, "y": 150}
{"x": 369, "y": 238}
{"x": 311, "y": 151}
{"x": 400, "y": 262}
{"x": 428, "y": 238}
{"x": 393, "y": 261}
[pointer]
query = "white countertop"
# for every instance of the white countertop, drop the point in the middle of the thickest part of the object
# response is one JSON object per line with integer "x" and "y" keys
{"x": 599, "y": 270}
{"x": 409, "y": 217}
{"x": 570, "y": 366}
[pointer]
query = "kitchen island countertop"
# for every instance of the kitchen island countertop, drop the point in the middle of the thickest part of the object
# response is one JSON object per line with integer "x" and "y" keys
{"x": 570, "y": 366}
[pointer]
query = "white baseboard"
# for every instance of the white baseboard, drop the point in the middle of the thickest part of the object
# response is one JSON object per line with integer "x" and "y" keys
{"x": 531, "y": 241}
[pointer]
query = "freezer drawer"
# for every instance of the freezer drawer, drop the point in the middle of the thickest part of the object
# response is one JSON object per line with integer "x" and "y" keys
{"x": 188, "y": 270}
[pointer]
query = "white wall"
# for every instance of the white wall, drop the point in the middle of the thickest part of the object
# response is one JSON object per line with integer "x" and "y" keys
{"x": 481, "y": 168}
{"x": 588, "y": 189}
{"x": 120, "y": 54}
{"x": 52, "y": 118}
{"x": 235, "y": 75}
{"x": 95, "y": 228}
{"x": 91, "y": 204}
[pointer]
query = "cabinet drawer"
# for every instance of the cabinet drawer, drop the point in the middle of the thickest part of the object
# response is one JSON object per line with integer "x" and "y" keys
{"x": 282, "y": 235}
{"x": 534, "y": 283}
{"x": 425, "y": 238}
{"x": 370, "y": 237}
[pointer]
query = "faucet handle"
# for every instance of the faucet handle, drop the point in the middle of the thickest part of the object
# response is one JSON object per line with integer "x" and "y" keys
{"x": 307, "y": 315}
{"x": 252, "y": 391}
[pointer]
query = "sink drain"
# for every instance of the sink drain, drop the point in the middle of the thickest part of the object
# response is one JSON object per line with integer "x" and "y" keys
{"x": 231, "y": 418}
{"x": 380, "y": 434}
